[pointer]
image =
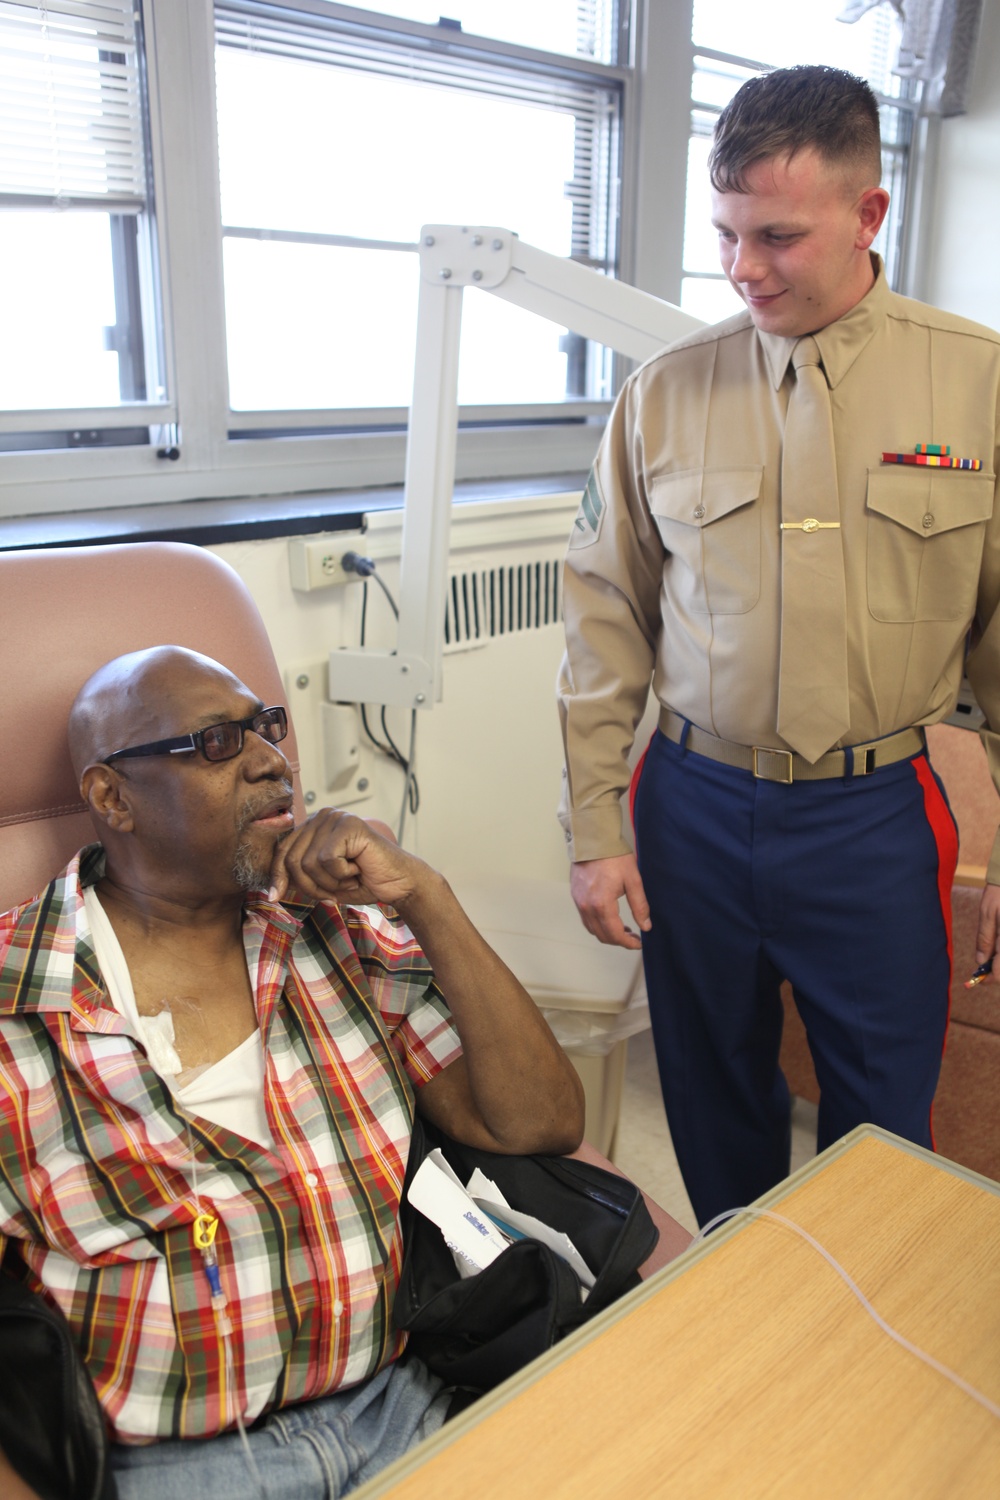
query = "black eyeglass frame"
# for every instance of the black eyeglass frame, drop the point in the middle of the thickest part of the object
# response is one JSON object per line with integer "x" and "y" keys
{"x": 187, "y": 744}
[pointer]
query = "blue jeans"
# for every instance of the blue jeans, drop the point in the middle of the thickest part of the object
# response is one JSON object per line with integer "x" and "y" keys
{"x": 316, "y": 1451}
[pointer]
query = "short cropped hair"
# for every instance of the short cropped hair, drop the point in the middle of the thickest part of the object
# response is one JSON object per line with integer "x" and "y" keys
{"x": 782, "y": 112}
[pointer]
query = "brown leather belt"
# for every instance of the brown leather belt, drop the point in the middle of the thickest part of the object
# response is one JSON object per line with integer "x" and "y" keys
{"x": 768, "y": 764}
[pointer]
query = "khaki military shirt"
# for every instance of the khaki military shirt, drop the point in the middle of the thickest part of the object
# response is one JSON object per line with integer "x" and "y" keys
{"x": 674, "y": 566}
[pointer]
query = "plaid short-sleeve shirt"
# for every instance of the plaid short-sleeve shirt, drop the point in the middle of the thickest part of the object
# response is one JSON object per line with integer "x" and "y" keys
{"x": 99, "y": 1164}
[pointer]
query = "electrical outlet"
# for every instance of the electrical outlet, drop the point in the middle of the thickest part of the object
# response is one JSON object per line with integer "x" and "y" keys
{"x": 315, "y": 562}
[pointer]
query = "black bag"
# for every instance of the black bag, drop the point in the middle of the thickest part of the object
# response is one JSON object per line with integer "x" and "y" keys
{"x": 51, "y": 1425}
{"x": 476, "y": 1332}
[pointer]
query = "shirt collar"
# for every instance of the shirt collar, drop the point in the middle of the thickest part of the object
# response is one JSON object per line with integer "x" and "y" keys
{"x": 841, "y": 342}
{"x": 47, "y": 960}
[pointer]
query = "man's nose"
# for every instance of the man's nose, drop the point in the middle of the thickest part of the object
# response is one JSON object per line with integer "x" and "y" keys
{"x": 748, "y": 264}
{"x": 261, "y": 758}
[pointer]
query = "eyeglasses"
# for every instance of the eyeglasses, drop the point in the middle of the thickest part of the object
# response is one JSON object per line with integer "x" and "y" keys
{"x": 218, "y": 741}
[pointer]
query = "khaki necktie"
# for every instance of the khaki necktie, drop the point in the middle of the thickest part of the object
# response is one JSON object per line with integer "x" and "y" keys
{"x": 812, "y": 684}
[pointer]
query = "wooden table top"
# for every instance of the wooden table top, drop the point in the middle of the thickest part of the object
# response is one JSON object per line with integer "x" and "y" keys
{"x": 748, "y": 1368}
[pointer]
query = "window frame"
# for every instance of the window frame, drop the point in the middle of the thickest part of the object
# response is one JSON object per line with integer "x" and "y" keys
{"x": 218, "y": 459}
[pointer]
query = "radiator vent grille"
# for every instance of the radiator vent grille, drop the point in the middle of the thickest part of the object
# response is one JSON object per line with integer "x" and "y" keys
{"x": 503, "y": 600}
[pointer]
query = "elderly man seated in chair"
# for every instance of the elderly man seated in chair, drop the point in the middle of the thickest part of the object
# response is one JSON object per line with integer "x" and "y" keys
{"x": 213, "y": 1030}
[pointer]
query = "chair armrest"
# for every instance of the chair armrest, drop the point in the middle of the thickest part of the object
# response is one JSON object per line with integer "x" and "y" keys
{"x": 674, "y": 1238}
{"x": 12, "y": 1486}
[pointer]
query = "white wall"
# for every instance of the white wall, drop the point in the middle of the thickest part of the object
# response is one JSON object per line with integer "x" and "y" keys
{"x": 489, "y": 756}
{"x": 962, "y": 239}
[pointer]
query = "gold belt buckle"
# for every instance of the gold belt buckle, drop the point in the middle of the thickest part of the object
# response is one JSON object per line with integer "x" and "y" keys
{"x": 759, "y": 750}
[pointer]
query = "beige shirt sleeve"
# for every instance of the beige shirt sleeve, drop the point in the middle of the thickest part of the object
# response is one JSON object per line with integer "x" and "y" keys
{"x": 611, "y": 601}
{"x": 983, "y": 662}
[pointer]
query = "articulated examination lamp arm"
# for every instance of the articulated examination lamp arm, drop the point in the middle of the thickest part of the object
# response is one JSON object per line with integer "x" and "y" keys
{"x": 570, "y": 295}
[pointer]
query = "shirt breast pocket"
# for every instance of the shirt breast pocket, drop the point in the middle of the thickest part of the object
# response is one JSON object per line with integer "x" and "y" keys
{"x": 925, "y": 542}
{"x": 709, "y": 520}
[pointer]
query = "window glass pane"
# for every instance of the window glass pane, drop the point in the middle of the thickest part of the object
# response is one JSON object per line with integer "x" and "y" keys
{"x": 716, "y": 82}
{"x": 785, "y": 32}
{"x": 582, "y": 28}
{"x": 701, "y": 243}
{"x": 73, "y": 138}
{"x": 348, "y": 153}
{"x": 71, "y": 108}
{"x": 508, "y": 352}
{"x": 52, "y": 331}
{"x": 319, "y": 326}
{"x": 353, "y": 152}
{"x": 710, "y": 299}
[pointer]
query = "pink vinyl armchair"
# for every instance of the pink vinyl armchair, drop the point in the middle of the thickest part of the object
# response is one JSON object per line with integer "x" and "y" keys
{"x": 65, "y": 611}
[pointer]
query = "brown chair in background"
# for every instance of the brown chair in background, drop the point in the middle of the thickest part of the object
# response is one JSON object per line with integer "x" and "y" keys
{"x": 967, "y": 1103}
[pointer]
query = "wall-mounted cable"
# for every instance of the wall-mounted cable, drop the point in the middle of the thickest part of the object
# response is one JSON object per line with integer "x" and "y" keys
{"x": 353, "y": 562}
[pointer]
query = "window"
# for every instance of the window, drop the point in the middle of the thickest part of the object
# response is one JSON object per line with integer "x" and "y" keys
{"x": 590, "y": 29}
{"x": 239, "y": 319}
{"x": 734, "y": 42}
{"x": 82, "y": 331}
{"x": 209, "y": 212}
{"x": 368, "y": 133}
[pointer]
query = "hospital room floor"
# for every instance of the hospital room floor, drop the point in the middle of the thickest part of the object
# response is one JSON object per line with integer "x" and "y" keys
{"x": 644, "y": 1150}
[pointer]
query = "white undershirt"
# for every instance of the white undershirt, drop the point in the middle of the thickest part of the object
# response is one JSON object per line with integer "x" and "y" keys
{"x": 229, "y": 1092}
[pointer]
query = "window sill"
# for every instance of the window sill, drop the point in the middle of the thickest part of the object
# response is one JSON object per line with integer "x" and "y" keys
{"x": 208, "y": 523}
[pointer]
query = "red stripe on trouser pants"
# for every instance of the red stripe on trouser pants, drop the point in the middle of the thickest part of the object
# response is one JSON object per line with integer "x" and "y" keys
{"x": 943, "y": 828}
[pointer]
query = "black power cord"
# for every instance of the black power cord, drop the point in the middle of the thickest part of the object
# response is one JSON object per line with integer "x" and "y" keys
{"x": 353, "y": 562}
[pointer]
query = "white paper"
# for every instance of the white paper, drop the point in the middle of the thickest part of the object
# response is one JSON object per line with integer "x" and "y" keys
{"x": 472, "y": 1238}
{"x": 489, "y": 1197}
{"x": 535, "y": 1229}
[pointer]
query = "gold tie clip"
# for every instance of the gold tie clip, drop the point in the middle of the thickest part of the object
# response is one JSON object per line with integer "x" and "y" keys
{"x": 810, "y": 524}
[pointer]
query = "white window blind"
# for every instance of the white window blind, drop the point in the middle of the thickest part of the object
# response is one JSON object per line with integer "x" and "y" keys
{"x": 71, "y": 117}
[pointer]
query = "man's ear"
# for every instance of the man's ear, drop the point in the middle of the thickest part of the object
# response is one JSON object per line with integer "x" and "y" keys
{"x": 106, "y": 793}
{"x": 872, "y": 208}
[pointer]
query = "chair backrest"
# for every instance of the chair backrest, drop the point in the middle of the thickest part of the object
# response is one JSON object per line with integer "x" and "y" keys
{"x": 65, "y": 611}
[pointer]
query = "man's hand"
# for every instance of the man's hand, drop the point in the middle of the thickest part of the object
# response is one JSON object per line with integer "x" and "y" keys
{"x": 334, "y": 856}
{"x": 596, "y": 886}
{"x": 513, "y": 1089}
{"x": 988, "y": 935}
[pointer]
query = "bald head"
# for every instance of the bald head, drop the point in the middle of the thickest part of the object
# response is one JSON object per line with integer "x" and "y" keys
{"x": 124, "y": 702}
{"x": 175, "y": 823}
